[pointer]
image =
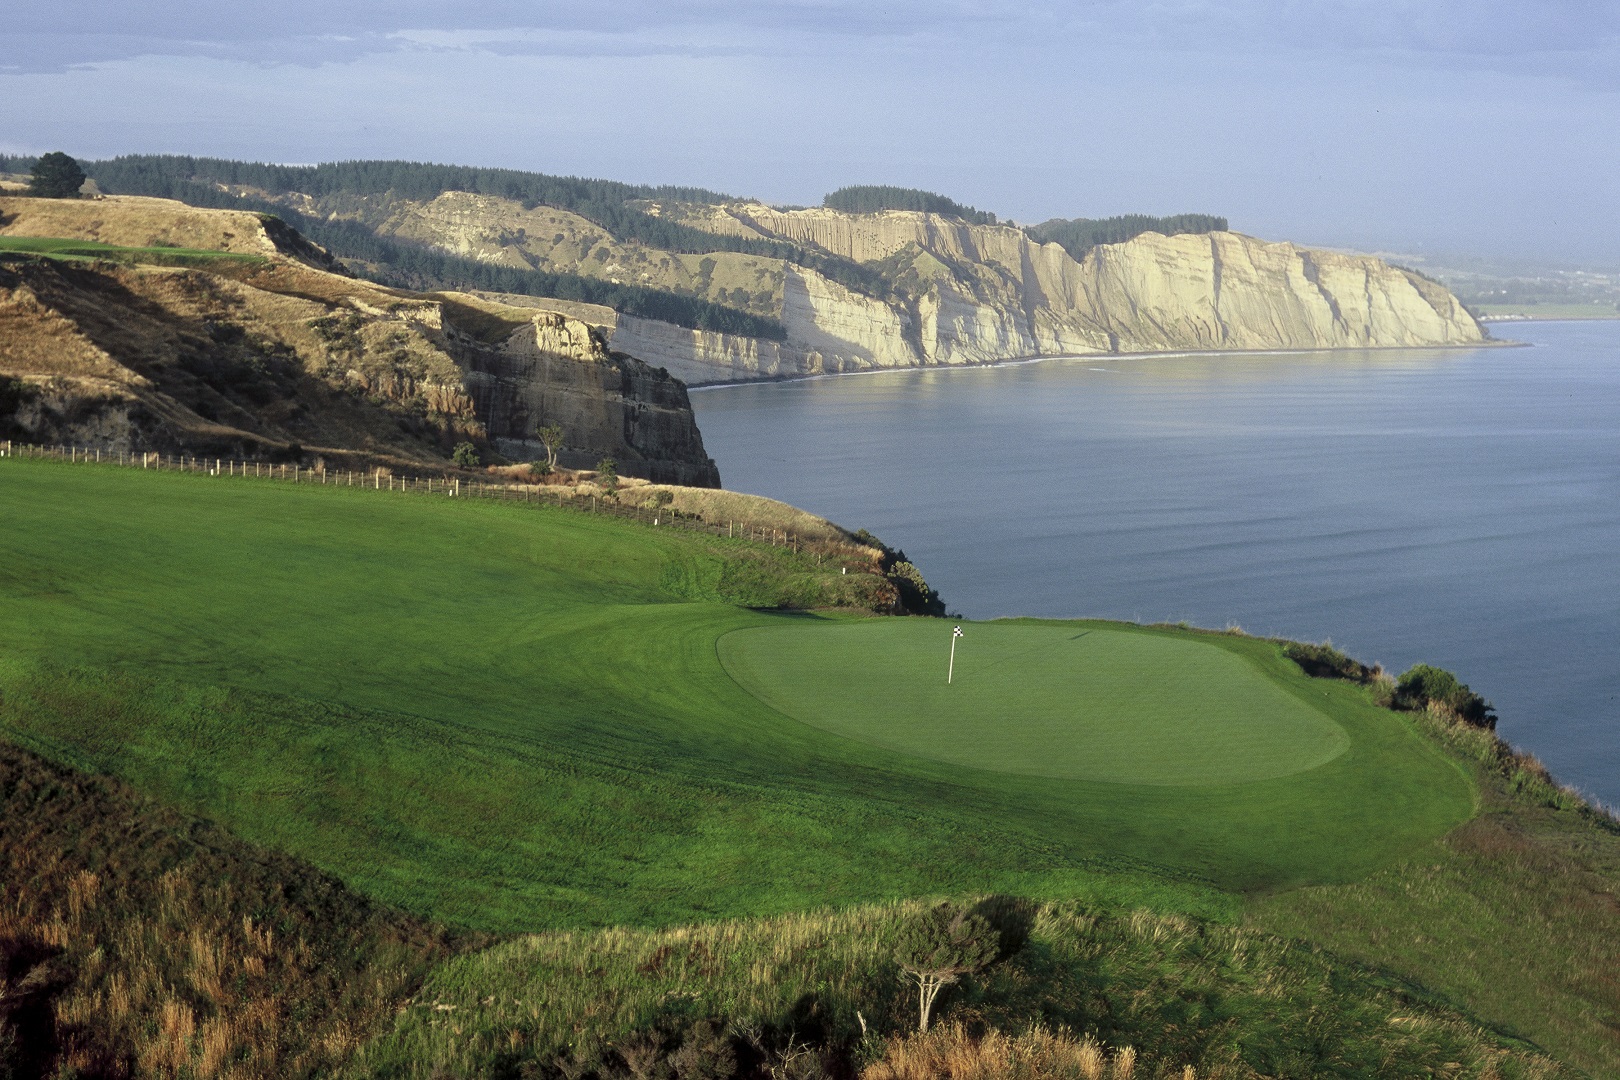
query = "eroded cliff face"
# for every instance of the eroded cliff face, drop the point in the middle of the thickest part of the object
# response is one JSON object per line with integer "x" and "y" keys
{"x": 255, "y": 356}
{"x": 982, "y": 293}
{"x": 557, "y": 369}
{"x": 966, "y": 294}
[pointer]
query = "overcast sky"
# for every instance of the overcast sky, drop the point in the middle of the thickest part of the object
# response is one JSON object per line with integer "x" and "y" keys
{"x": 1477, "y": 126}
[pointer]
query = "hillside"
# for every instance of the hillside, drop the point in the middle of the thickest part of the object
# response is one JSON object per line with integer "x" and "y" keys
{"x": 831, "y": 290}
{"x": 136, "y": 323}
{"x": 603, "y": 743}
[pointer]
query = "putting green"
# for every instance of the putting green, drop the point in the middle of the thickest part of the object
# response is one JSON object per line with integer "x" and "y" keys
{"x": 1068, "y": 700}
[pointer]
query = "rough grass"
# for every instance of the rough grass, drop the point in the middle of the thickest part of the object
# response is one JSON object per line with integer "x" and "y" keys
{"x": 137, "y": 942}
{"x": 747, "y": 511}
{"x": 1228, "y": 1002}
{"x": 514, "y": 717}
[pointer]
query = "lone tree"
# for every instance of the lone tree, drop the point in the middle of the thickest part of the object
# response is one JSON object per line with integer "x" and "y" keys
{"x": 607, "y": 474}
{"x": 466, "y": 455}
{"x": 940, "y": 945}
{"x": 550, "y": 437}
{"x": 56, "y": 176}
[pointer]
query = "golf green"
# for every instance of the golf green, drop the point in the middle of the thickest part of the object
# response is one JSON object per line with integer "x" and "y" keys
{"x": 1062, "y": 700}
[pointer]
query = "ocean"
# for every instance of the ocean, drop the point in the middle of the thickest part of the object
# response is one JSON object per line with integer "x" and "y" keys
{"x": 1459, "y": 507}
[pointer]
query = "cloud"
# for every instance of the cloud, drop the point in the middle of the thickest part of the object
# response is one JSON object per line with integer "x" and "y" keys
{"x": 42, "y": 35}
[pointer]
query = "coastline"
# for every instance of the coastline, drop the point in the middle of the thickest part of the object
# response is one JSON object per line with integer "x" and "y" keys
{"x": 1017, "y": 361}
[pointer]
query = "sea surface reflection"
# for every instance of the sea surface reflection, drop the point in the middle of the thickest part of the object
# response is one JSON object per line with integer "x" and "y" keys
{"x": 1455, "y": 507}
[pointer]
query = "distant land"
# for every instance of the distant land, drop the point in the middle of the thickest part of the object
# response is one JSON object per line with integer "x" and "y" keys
{"x": 1499, "y": 289}
{"x": 717, "y": 288}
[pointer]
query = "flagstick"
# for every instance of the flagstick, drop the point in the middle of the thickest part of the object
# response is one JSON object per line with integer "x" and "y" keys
{"x": 950, "y": 672}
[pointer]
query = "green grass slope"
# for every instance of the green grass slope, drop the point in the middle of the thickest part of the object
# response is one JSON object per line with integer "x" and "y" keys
{"x": 513, "y": 717}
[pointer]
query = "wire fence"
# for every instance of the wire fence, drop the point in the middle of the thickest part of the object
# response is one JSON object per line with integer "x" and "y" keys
{"x": 451, "y": 487}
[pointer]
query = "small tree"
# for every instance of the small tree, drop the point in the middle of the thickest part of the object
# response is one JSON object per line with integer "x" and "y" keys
{"x": 940, "y": 945}
{"x": 56, "y": 176}
{"x": 607, "y": 474}
{"x": 466, "y": 455}
{"x": 550, "y": 437}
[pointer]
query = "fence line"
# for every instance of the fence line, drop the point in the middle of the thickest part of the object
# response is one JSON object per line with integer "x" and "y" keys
{"x": 376, "y": 480}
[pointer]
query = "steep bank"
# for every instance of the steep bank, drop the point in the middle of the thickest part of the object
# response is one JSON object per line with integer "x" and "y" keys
{"x": 262, "y": 350}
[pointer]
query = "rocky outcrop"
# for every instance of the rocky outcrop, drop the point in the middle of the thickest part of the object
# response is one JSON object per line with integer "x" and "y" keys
{"x": 557, "y": 369}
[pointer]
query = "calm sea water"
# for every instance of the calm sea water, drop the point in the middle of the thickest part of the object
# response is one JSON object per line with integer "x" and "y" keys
{"x": 1460, "y": 508}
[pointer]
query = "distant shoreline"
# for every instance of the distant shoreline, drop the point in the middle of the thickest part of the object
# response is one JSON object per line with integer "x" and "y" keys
{"x": 1018, "y": 361}
{"x": 1549, "y": 318}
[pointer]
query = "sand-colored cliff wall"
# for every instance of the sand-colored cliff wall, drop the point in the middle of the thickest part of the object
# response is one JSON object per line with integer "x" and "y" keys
{"x": 953, "y": 293}
{"x": 989, "y": 293}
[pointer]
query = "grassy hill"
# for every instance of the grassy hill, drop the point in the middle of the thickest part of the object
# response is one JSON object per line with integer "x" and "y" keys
{"x": 527, "y": 721}
{"x": 520, "y": 680}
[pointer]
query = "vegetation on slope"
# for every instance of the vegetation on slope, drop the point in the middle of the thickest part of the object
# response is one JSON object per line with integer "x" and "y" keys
{"x": 871, "y": 198}
{"x": 1227, "y": 1002}
{"x": 1514, "y": 916}
{"x": 135, "y": 941}
{"x": 1079, "y": 235}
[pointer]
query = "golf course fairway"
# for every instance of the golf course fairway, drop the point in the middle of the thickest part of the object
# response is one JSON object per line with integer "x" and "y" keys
{"x": 515, "y": 717}
{"x": 1057, "y": 699}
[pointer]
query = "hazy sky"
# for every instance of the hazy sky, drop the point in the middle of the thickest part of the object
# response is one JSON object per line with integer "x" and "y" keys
{"x": 1485, "y": 126}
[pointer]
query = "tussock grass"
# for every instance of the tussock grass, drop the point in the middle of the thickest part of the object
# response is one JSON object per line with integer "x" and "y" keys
{"x": 952, "y": 1052}
{"x": 135, "y": 941}
{"x": 1122, "y": 992}
{"x": 751, "y": 512}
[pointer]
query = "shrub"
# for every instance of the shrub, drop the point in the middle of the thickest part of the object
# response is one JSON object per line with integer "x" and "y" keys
{"x": 1325, "y": 662}
{"x": 466, "y": 455}
{"x": 938, "y": 946}
{"x": 607, "y": 474}
{"x": 1426, "y": 687}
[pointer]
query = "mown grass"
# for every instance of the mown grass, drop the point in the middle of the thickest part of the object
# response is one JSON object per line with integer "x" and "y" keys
{"x": 57, "y": 248}
{"x": 515, "y": 718}
{"x": 1057, "y": 699}
{"x": 1226, "y": 1001}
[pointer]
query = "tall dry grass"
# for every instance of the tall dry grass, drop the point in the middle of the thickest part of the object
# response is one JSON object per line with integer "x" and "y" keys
{"x": 951, "y": 1052}
{"x": 149, "y": 945}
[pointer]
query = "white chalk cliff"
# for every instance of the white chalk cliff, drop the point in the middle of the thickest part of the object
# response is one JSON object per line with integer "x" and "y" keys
{"x": 967, "y": 294}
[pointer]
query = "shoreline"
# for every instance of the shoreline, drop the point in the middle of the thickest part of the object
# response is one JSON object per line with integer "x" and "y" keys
{"x": 1018, "y": 361}
{"x": 1548, "y": 318}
